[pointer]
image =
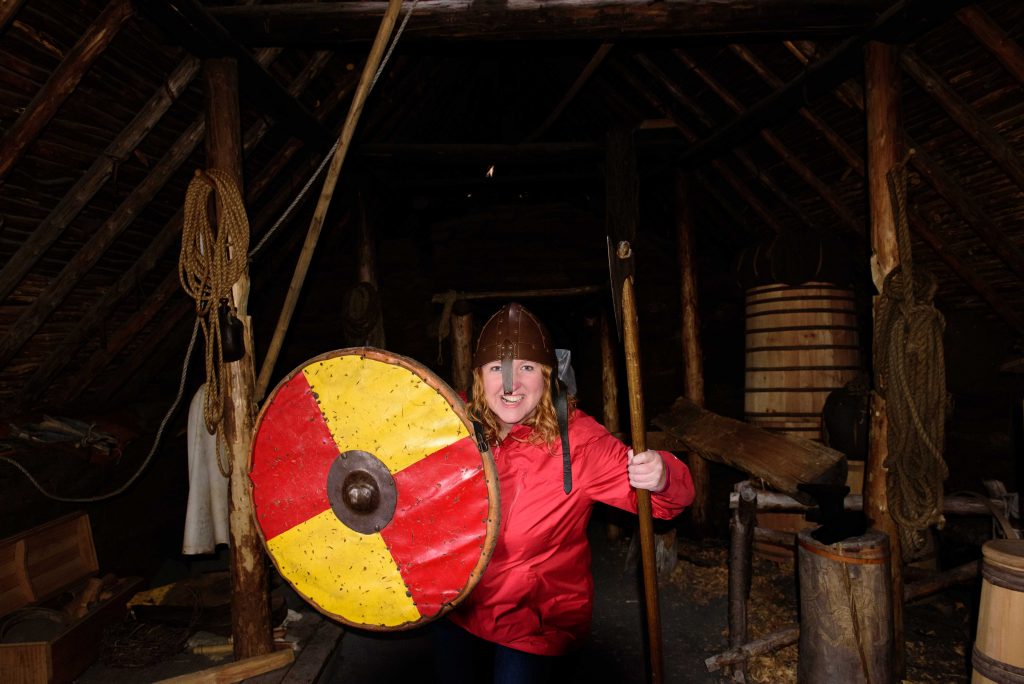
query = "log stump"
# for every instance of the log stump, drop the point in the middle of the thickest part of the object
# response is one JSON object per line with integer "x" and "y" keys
{"x": 845, "y": 610}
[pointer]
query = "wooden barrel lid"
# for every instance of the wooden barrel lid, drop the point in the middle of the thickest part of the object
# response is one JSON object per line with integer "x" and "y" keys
{"x": 1005, "y": 552}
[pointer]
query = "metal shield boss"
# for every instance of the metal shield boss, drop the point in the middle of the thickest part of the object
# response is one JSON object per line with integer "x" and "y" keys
{"x": 371, "y": 494}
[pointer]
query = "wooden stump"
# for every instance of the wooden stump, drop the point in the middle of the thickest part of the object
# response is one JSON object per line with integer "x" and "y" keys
{"x": 845, "y": 610}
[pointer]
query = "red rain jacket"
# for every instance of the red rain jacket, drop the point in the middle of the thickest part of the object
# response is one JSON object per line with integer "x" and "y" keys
{"x": 536, "y": 594}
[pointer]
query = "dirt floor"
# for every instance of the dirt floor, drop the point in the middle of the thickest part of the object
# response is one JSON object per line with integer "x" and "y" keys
{"x": 693, "y": 616}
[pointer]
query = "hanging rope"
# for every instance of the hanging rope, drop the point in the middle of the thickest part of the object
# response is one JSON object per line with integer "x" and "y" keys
{"x": 910, "y": 374}
{"x": 211, "y": 261}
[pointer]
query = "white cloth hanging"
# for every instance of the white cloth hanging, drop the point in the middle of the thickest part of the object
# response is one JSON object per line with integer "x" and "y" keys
{"x": 206, "y": 517}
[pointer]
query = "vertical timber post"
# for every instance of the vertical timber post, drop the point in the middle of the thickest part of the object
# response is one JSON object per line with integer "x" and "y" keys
{"x": 462, "y": 340}
{"x": 882, "y": 95}
{"x": 250, "y": 608}
{"x": 693, "y": 366}
{"x": 609, "y": 397}
{"x": 367, "y": 273}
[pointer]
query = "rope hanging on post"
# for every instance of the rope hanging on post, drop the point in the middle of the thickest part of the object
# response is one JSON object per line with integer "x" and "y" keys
{"x": 210, "y": 263}
{"x": 910, "y": 374}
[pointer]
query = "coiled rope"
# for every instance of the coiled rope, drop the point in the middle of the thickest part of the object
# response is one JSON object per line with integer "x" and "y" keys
{"x": 211, "y": 261}
{"x": 910, "y": 374}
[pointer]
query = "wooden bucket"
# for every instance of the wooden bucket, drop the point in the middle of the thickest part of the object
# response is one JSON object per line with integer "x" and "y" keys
{"x": 999, "y": 648}
{"x": 801, "y": 343}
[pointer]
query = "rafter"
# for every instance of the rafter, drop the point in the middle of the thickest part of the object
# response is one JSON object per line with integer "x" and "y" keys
{"x": 982, "y": 132}
{"x": 191, "y": 24}
{"x": 1006, "y": 50}
{"x": 62, "y": 83}
{"x": 718, "y": 165}
{"x": 788, "y": 157}
{"x": 51, "y": 227}
{"x": 577, "y": 85}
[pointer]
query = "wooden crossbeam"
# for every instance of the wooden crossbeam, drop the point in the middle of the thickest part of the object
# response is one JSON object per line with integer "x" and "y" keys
{"x": 333, "y": 23}
{"x": 574, "y": 89}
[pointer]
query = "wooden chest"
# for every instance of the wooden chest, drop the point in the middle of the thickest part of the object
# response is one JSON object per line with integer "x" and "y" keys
{"x": 53, "y": 608}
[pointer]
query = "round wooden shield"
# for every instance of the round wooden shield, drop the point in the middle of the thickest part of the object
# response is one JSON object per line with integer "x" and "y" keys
{"x": 373, "y": 499}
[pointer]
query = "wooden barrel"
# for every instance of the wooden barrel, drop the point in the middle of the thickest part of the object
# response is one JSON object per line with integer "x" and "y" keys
{"x": 845, "y": 610}
{"x": 999, "y": 648}
{"x": 801, "y": 344}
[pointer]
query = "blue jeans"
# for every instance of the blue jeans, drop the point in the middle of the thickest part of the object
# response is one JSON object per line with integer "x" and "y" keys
{"x": 462, "y": 658}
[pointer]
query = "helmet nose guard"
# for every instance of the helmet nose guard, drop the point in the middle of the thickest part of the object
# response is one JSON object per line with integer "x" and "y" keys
{"x": 514, "y": 333}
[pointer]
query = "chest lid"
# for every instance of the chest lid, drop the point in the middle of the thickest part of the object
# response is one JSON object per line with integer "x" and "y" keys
{"x": 38, "y": 563}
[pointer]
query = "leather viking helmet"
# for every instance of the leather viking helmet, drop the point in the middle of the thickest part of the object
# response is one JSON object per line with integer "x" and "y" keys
{"x": 514, "y": 333}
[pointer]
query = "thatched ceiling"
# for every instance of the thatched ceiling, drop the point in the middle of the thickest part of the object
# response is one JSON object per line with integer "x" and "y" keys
{"x": 102, "y": 116}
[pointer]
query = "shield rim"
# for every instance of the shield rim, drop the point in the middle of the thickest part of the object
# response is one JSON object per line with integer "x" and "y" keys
{"x": 490, "y": 472}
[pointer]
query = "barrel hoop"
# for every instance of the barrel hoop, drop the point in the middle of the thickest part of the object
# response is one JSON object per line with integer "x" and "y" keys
{"x": 800, "y": 298}
{"x": 805, "y": 347}
{"x": 849, "y": 560}
{"x": 799, "y": 328}
{"x": 769, "y": 369}
{"x": 794, "y": 390}
{"x": 775, "y": 312}
{"x": 997, "y": 671}
{"x": 782, "y": 287}
{"x": 783, "y": 415}
{"x": 1002, "y": 578}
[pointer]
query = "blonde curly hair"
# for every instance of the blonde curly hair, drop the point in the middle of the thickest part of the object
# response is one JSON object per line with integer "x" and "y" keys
{"x": 544, "y": 420}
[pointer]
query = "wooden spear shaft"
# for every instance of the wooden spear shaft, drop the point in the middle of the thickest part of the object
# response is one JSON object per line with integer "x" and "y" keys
{"x": 327, "y": 193}
{"x": 631, "y": 339}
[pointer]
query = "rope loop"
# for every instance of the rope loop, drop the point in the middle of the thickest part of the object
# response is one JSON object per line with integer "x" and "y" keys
{"x": 212, "y": 259}
{"x": 910, "y": 374}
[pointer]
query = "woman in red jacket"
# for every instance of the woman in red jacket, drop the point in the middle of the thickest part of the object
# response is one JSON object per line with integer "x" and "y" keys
{"x": 535, "y": 598}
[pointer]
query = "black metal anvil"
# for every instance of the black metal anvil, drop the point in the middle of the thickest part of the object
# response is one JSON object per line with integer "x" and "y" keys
{"x": 837, "y": 523}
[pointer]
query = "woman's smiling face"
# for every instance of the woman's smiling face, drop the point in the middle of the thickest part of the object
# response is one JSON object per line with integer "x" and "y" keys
{"x": 528, "y": 387}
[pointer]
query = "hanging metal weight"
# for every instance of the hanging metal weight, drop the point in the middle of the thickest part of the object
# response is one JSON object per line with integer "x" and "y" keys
{"x": 372, "y": 497}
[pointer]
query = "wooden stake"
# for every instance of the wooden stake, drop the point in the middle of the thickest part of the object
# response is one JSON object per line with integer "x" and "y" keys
{"x": 327, "y": 193}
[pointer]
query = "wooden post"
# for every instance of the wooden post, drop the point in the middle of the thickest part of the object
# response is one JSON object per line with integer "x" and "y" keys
{"x": 250, "y": 606}
{"x": 741, "y": 551}
{"x": 366, "y": 272}
{"x": 693, "y": 365}
{"x": 462, "y": 349}
{"x": 882, "y": 92}
{"x": 609, "y": 397}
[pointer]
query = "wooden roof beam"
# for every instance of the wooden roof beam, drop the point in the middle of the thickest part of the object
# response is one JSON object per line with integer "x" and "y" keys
{"x": 192, "y": 25}
{"x": 62, "y": 83}
{"x": 36, "y": 314}
{"x": 1006, "y": 50}
{"x": 718, "y": 165}
{"x": 788, "y": 157}
{"x": 574, "y": 89}
{"x": 906, "y": 18}
{"x": 7, "y": 11}
{"x": 745, "y": 159}
{"x": 333, "y": 23}
{"x": 171, "y": 231}
{"x": 969, "y": 210}
{"x": 82, "y": 192}
{"x": 982, "y": 132}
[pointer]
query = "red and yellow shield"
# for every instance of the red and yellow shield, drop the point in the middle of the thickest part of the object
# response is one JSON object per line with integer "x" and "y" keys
{"x": 374, "y": 501}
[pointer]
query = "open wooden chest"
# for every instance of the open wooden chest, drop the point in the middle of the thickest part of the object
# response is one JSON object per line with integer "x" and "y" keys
{"x": 53, "y": 607}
